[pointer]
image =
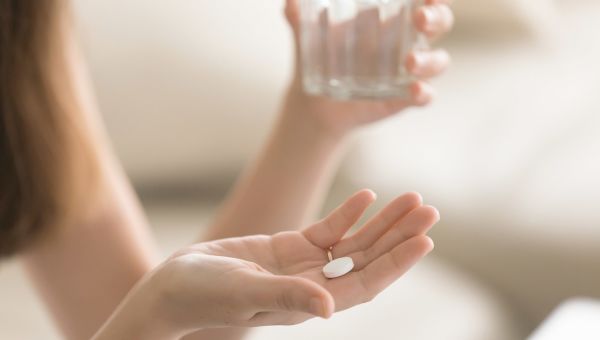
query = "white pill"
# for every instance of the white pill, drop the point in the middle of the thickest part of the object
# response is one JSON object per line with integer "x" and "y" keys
{"x": 338, "y": 267}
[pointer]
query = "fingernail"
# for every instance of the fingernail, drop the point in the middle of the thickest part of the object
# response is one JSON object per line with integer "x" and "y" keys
{"x": 431, "y": 245}
{"x": 420, "y": 60}
{"x": 373, "y": 194}
{"x": 425, "y": 94}
{"x": 431, "y": 18}
{"x": 438, "y": 18}
{"x": 316, "y": 306}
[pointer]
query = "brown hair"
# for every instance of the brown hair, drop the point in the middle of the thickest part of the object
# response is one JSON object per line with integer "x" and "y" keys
{"x": 43, "y": 152}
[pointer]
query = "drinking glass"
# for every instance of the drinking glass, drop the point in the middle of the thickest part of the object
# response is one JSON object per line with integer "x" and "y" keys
{"x": 356, "y": 49}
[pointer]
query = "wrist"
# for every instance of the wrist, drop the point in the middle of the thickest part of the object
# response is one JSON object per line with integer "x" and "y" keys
{"x": 336, "y": 118}
{"x": 141, "y": 315}
{"x": 157, "y": 307}
{"x": 305, "y": 114}
{"x": 152, "y": 316}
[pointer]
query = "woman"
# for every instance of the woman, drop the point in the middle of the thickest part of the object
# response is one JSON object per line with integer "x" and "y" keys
{"x": 68, "y": 211}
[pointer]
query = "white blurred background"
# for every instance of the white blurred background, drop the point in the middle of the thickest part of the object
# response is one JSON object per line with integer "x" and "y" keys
{"x": 509, "y": 152}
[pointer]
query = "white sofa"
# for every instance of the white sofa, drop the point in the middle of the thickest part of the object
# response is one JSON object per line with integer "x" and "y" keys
{"x": 510, "y": 153}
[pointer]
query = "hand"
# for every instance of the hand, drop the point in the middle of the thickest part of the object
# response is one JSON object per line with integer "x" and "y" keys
{"x": 433, "y": 19}
{"x": 277, "y": 280}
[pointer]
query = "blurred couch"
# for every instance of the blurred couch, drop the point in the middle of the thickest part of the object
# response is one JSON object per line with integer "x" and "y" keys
{"x": 509, "y": 151}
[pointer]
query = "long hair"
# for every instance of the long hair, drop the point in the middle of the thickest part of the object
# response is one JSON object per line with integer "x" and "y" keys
{"x": 44, "y": 154}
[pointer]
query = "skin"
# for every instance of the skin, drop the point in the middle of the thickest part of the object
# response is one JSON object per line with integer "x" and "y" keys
{"x": 277, "y": 280}
{"x": 105, "y": 258}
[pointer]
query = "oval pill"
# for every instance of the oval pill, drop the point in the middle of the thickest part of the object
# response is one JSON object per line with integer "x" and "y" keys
{"x": 338, "y": 267}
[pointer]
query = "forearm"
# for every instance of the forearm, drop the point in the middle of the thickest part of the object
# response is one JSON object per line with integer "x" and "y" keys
{"x": 82, "y": 271}
{"x": 288, "y": 181}
{"x": 85, "y": 266}
{"x": 283, "y": 188}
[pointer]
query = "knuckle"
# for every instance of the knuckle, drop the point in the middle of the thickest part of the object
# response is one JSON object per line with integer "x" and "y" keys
{"x": 367, "y": 298}
{"x": 284, "y": 301}
{"x": 367, "y": 295}
{"x": 369, "y": 254}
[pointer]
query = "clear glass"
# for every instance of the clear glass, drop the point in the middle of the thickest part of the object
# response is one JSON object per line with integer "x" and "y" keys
{"x": 356, "y": 49}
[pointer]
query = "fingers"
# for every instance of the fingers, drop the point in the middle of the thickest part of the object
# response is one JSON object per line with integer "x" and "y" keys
{"x": 421, "y": 93}
{"x": 332, "y": 228}
{"x": 427, "y": 64}
{"x": 277, "y": 318}
{"x": 434, "y": 19}
{"x": 417, "y": 222}
{"x": 292, "y": 13}
{"x": 389, "y": 267}
{"x": 270, "y": 292}
{"x": 379, "y": 224}
{"x": 362, "y": 286}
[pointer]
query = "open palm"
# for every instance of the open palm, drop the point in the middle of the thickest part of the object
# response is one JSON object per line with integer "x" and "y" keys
{"x": 383, "y": 250}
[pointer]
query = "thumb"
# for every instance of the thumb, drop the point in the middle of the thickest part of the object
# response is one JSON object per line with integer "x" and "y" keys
{"x": 292, "y": 294}
{"x": 292, "y": 14}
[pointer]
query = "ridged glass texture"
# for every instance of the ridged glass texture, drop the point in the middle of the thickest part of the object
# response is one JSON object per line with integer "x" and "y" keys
{"x": 356, "y": 49}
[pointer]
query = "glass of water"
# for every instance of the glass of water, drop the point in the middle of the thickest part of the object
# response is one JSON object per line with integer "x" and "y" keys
{"x": 356, "y": 49}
